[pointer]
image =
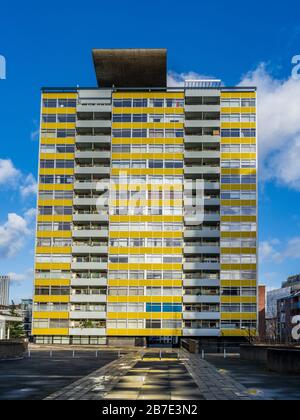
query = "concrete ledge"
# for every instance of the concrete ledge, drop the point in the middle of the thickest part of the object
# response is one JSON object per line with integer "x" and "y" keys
{"x": 283, "y": 360}
{"x": 12, "y": 349}
{"x": 254, "y": 353}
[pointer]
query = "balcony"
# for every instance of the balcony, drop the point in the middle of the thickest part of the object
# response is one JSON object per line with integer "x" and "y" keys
{"x": 200, "y": 169}
{"x": 87, "y": 331}
{"x": 201, "y": 332}
{"x": 100, "y": 155}
{"x": 92, "y": 169}
{"x": 202, "y": 93}
{"x": 94, "y": 108}
{"x": 88, "y": 298}
{"x": 202, "y": 123}
{"x": 93, "y": 124}
{"x": 202, "y": 316}
{"x": 196, "y": 109}
{"x": 90, "y": 217}
{"x": 198, "y": 140}
{"x": 87, "y": 315}
{"x": 89, "y": 265}
{"x": 194, "y": 155}
{"x": 198, "y": 266}
{"x": 193, "y": 232}
{"x": 89, "y": 282}
{"x": 201, "y": 282}
{"x": 91, "y": 186}
{"x": 89, "y": 233}
{"x": 200, "y": 218}
{"x": 93, "y": 139}
{"x": 91, "y": 201}
{"x": 86, "y": 249}
{"x": 191, "y": 250}
{"x": 201, "y": 299}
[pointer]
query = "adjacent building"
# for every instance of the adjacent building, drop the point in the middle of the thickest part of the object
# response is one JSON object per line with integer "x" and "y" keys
{"x": 4, "y": 290}
{"x": 147, "y": 208}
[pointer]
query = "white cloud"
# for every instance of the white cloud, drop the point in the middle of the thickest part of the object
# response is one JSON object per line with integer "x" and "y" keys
{"x": 29, "y": 186}
{"x": 278, "y": 126}
{"x": 268, "y": 251}
{"x": 278, "y": 252}
{"x": 13, "y": 234}
{"x": 21, "y": 277}
{"x": 9, "y": 175}
{"x": 178, "y": 79}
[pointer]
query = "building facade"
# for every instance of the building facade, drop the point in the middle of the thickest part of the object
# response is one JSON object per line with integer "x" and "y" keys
{"x": 147, "y": 208}
{"x": 4, "y": 290}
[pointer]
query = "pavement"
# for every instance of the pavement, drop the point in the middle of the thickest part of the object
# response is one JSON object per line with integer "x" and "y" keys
{"x": 257, "y": 379}
{"x": 155, "y": 375}
{"x": 36, "y": 377}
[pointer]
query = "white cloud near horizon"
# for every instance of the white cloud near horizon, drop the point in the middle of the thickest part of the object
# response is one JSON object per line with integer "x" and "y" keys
{"x": 278, "y": 126}
{"x": 11, "y": 177}
{"x": 278, "y": 251}
{"x": 13, "y": 234}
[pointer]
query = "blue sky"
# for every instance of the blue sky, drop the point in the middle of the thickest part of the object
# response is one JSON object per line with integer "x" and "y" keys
{"x": 50, "y": 45}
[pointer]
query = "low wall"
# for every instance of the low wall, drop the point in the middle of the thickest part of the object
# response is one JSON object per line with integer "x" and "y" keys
{"x": 190, "y": 345}
{"x": 254, "y": 353}
{"x": 283, "y": 360}
{"x": 12, "y": 349}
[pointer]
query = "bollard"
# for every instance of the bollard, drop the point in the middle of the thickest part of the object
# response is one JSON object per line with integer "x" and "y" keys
{"x": 51, "y": 353}
{"x": 160, "y": 354}
{"x": 96, "y": 353}
{"x": 73, "y": 354}
{"x": 29, "y": 354}
{"x": 203, "y": 354}
{"x": 119, "y": 354}
{"x": 225, "y": 355}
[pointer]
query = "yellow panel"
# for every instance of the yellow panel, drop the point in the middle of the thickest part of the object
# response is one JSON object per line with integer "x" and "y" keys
{"x": 56, "y": 218}
{"x": 57, "y": 156}
{"x": 52, "y": 266}
{"x": 51, "y": 315}
{"x": 238, "y": 219}
{"x": 238, "y": 110}
{"x": 148, "y": 110}
{"x": 238, "y": 94}
{"x": 144, "y": 332}
{"x": 143, "y": 283}
{"x": 145, "y": 140}
{"x": 238, "y": 283}
{"x": 238, "y": 155}
{"x": 137, "y": 251}
{"x": 175, "y": 267}
{"x": 238, "y": 187}
{"x": 54, "y": 234}
{"x": 53, "y": 250}
{"x": 143, "y": 315}
{"x": 238, "y": 299}
{"x": 57, "y": 171}
{"x": 50, "y": 331}
{"x": 141, "y": 234}
{"x": 66, "y": 140}
{"x": 55, "y": 187}
{"x": 56, "y": 95}
{"x": 55, "y": 203}
{"x": 139, "y": 156}
{"x": 238, "y": 203}
{"x": 62, "y": 111}
{"x": 233, "y": 125}
{"x": 238, "y": 267}
{"x": 155, "y": 95}
{"x": 238, "y": 171}
{"x": 48, "y": 282}
{"x": 242, "y": 316}
{"x": 145, "y": 187}
{"x": 64, "y": 125}
{"x": 240, "y": 251}
{"x": 56, "y": 299}
{"x": 144, "y": 299}
{"x": 238, "y": 234}
{"x": 238, "y": 333}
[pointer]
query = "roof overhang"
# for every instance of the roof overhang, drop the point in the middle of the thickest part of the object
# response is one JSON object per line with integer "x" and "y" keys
{"x": 131, "y": 68}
